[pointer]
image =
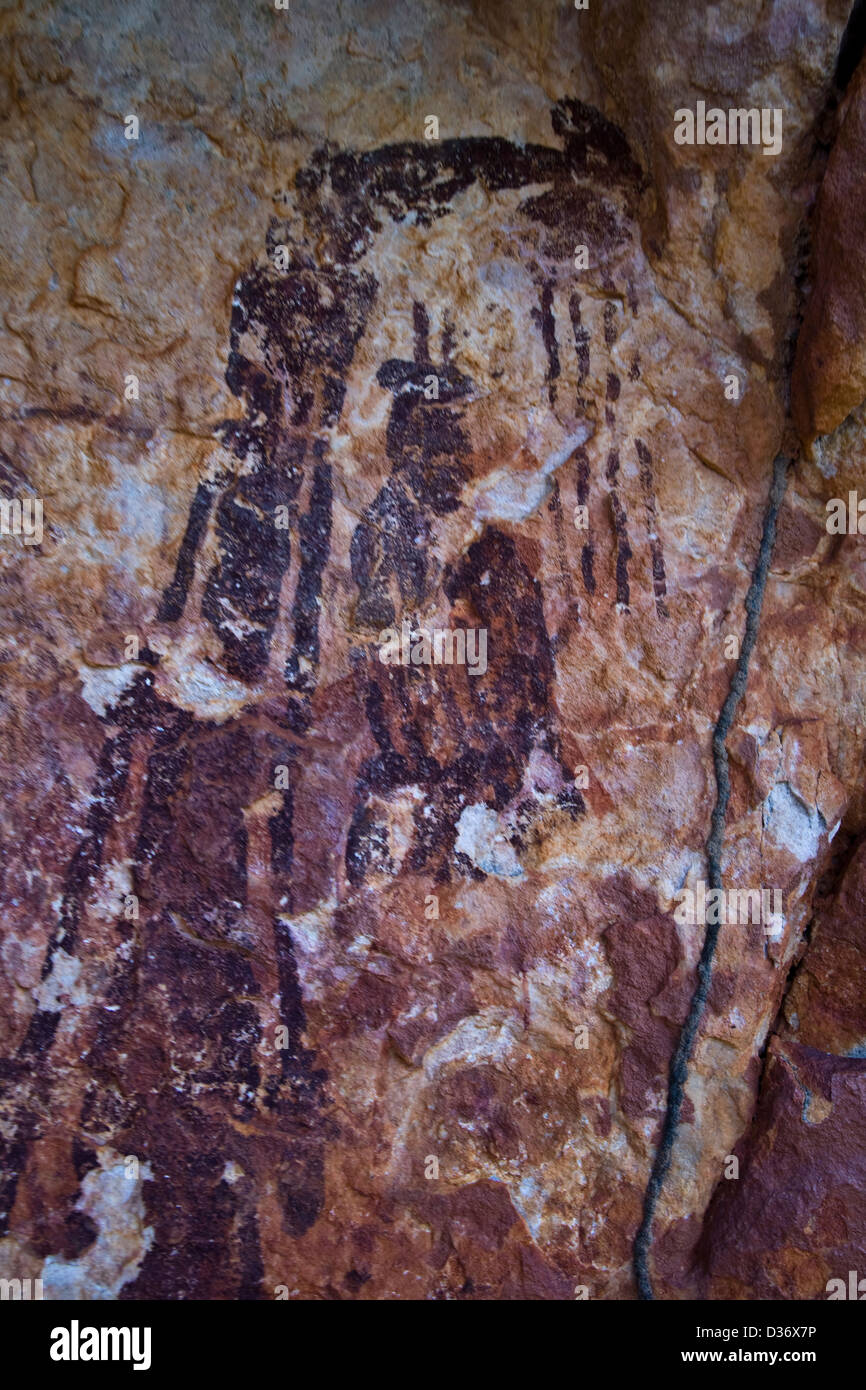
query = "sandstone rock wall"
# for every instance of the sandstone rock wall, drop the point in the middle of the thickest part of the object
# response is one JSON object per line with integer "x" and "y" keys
{"x": 346, "y": 979}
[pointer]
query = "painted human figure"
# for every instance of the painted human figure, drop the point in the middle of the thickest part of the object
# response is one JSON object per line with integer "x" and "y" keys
{"x": 194, "y": 1059}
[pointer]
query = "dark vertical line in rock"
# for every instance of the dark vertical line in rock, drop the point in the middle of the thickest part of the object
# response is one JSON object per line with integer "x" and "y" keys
{"x": 680, "y": 1061}
{"x": 754, "y": 601}
{"x": 14, "y": 1157}
{"x": 612, "y": 391}
{"x": 281, "y": 830}
{"x": 655, "y": 544}
{"x": 609, "y": 319}
{"x": 852, "y": 45}
{"x": 581, "y": 459}
{"x": 315, "y": 546}
{"x": 620, "y": 520}
{"x": 547, "y": 323}
{"x": 581, "y": 338}
{"x": 623, "y": 549}
{"x": 174, "y": 598}
{"x": 421, "y": 326}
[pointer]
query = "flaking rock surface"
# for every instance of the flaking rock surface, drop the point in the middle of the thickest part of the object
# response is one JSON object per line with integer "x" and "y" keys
{"x": 326, "y": 978}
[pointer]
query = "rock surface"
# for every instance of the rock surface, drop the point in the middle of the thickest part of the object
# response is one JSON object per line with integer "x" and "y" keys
{"x": 328, "y": 978}
{"x": 829, "y": 378}
{"x": 795, "y": 1218}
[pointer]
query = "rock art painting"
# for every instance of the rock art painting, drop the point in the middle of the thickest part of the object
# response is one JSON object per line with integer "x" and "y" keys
{"x": 432, "y": 667}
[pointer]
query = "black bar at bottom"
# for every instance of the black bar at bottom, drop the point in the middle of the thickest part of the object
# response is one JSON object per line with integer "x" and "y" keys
{"x": 230, "y": 1340}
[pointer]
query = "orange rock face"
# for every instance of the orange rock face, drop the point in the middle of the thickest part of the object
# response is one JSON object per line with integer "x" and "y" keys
{"x": 327, "y": 975}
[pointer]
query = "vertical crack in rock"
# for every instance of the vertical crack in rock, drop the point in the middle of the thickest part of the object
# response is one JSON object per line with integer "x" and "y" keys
{"x": 852, "y": 45}
{"x": 680, "y": 1061}
{"x": 804, "y": 364}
